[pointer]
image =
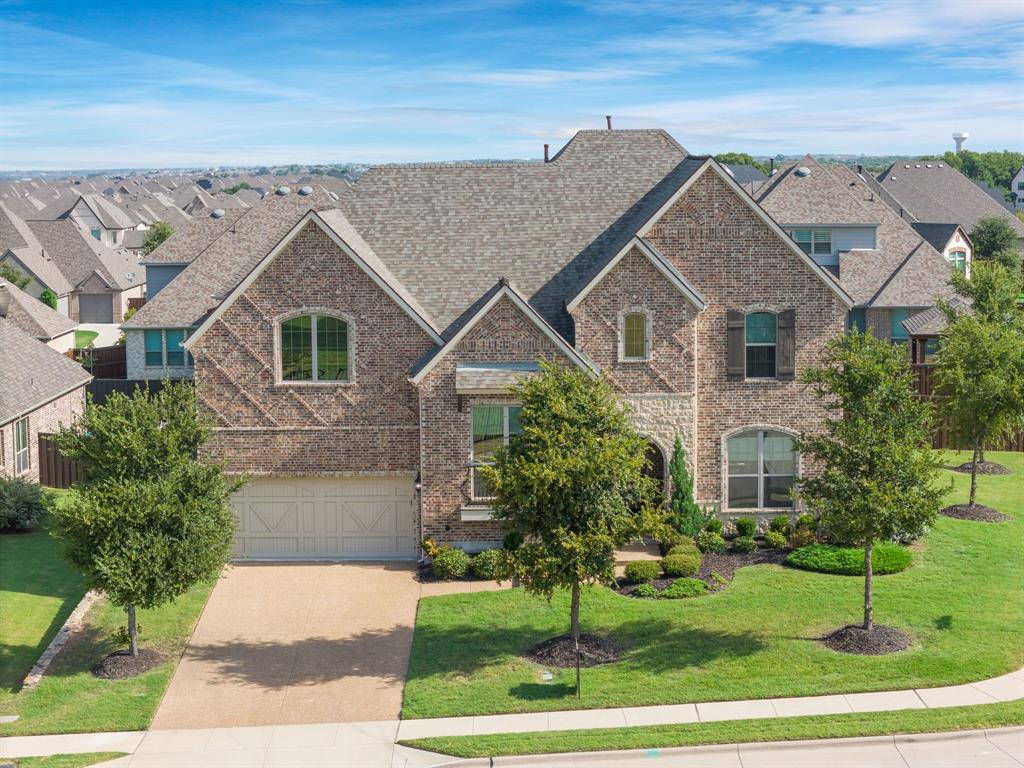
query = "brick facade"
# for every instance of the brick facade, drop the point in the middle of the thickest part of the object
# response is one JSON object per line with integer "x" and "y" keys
{"x": 47, "y": 419}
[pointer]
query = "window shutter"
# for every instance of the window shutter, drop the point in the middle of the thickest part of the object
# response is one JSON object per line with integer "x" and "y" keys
{"x": 734, "y": 345}
{"x": 786, "y": 358}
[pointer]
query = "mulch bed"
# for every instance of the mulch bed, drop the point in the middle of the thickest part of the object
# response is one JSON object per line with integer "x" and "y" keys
{"x": 120, "y": 665}
{"x": 984, "y": 468}
{"x": 725, "y": 565}
{"x": 560, "y": 652}
{"x": 978, "y": 512}
{"x": 881, "y": 640}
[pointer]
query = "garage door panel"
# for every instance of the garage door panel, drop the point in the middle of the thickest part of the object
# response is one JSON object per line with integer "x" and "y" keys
{"x": 357, "y": 518}
{"x": 95, "y": 308}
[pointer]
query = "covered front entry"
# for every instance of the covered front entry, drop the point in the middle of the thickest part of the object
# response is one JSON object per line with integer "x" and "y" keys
{"x": 95, "y": 308}
{"x": 307, "y": 518}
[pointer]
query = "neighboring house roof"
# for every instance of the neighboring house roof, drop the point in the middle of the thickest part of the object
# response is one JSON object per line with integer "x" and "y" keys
{"x": 109, "y": 214}
{"x": 223, "y": 261}
{"x": 934, "y": 192}
{"x": 134, "y": 239}
{"x": 791, "y": 197}
{"x": 78, "y": 256}
{"x": 32, "y": 374}
{"x": 932, "y": 321}
{"x": 995, "y": 193}
{"x": 937, "y": 235}
{"x": 17, "y": 239}
{"x": 30, "y": 314}
{"x": 746, "y": 174}
{"x": 192, "y": 239}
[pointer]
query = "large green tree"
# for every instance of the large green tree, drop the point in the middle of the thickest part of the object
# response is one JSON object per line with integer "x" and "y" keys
{"x": 13, "y": 276}
{"x": 877, "y": 472}
{"x": 148, "y": 520}
{"x": 993, "y": 236}
{"x": 571, "y": 487}
{"x": 155, "y": 235}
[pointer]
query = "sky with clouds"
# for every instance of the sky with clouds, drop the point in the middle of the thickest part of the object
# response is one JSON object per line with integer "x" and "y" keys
{"x": 147, "y": 84}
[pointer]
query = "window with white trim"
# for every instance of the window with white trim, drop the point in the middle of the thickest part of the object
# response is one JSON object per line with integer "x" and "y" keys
{"x": 634, "y": 336}
{"x": 814, "y": 242}
{"x": 761, "y": 339}
{"x": 762, "y": 467}
{"x": 959, "y": 260}
{"x": 315, "y": 347}
{"x": 22, "y": 455}
{"x": 492, "y": 427}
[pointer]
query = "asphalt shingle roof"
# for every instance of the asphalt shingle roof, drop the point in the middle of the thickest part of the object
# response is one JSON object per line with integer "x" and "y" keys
{"x": 78, "y": 255}
{"x": 32, "y": 374}
{"x": 30, "y": 314}
{"x": 937, "y": 235}
{"x": 189, "y": 241}
{"x": 812, "y": 199}
{"x": 30, "y": 252}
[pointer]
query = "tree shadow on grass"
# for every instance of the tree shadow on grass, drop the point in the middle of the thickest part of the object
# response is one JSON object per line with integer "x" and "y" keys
{"x": 541, "y": 691}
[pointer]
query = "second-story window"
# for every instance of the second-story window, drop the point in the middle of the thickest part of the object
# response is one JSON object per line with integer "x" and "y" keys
{"x": 761, "y": 338}
{"x": 164, "y": 348}
{"x": 814, "y": 242}
{"x": 492, "y": 427}
{"x": 634, "y": 336}
{"x": 959, "y": 260}
{"x": 314, "y": 348}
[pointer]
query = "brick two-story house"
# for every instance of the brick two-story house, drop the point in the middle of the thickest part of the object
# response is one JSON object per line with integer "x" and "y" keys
{"x": 356, "y": 363}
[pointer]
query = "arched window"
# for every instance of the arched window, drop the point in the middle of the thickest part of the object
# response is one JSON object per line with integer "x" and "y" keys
{"x": 634, "y": 336}
{"x": 959, "y": 260}
{"x": 761, "y": 339}
{"x": 762, "y": 467}
{"x": 314, "y": 348}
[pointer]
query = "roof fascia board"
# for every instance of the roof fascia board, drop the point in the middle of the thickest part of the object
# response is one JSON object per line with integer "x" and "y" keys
{"x": 526, "y": 309}
{"x": 636, "y": 242}
{"x": 255, "y": 272}
{"x": 760, "y": 212}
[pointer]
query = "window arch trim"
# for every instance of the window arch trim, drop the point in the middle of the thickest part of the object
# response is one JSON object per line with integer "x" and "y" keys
{"x": 624, "y": 342}
{"x": 724, "y": 467}
{"x": 279, "y": 352}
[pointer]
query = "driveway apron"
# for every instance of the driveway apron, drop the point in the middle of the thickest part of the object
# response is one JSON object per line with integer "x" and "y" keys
{"x": 297, "y": 643}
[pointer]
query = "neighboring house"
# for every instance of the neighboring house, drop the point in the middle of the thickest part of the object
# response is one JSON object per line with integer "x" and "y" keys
{"x": 102, "y": 219}
{"x": 951, "y": 241}
{"x": 354, "y": 355}
{"x": 1017, "y": 189}
{"x": 836, "y": 217}
{"x": 101, "y": 279}
{"x": 22, "y": 252}
{"x": 933, "y": 193}
{"x": 40, "y": 390}
{"x": 35, "y": 318}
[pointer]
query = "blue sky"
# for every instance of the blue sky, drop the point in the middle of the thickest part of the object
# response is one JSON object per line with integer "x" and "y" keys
{"x": 103, "y": 84}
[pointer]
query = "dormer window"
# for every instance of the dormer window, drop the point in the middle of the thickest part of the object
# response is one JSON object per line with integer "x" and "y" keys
{"x": 814, "y": 242}
{"x": 959, "y": 260}
{"x": 314, "y": 348}
{"x": 634, "y": 335}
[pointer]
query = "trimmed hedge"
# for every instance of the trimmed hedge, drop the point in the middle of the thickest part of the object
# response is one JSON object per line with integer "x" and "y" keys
{"x": 491, "y": 565}
{"x": 849, "y": 561}
{"x": 682, "y": 563}
{"x": 744, "y": 544}
{"x": 683, "y": 588}
{"x": 641, "y": 571}
{"x": 710, "y": 541}
{"x": 451, "y": 564}
{"x": 746, "y": 527}
{"x": 774, "y": 540}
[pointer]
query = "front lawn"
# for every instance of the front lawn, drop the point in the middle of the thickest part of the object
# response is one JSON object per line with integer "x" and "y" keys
{"x": 962, "y": 602}
{"x": 67, "y": 761}
{"x": 38, "y": 590}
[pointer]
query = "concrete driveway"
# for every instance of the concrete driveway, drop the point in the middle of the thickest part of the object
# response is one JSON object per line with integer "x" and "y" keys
{"x": 297, "y": 643}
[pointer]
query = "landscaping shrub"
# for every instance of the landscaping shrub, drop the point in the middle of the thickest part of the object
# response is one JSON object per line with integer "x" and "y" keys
{"x": 430, "y": 547}
{"x": 801, "y": 537}
{"x": 645, "y": 590}
{"x": 683, "y": 588}
{"x": 681, "y": 564}
{"x": 683, "y": 548}
{"x": 746, "y": 527}
{"x": 714, "y": 525}
{"x": 807, "y": 522}
{"x": 744, "y": 544}
{"x": 849, "y": 561}
{"x": 450, "y": 563}
{"x": 774, "y": 540}
{"x": 491, "y": 565}
{"x": 710, "y": 541}
{"x": 780, "y": 524}
{"x": 669, "y": 538}
{"x": 22, "y": 504}
{"x": 640, "y": 571}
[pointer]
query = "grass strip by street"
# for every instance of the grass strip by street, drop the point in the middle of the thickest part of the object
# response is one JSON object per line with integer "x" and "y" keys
{"x": 962, "y": 602}
{"x": 728, "y": 731}
{"x": 67, "y": 761}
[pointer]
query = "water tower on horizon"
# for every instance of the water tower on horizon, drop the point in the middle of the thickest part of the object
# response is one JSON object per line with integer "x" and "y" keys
{"x": 960, "y": 137}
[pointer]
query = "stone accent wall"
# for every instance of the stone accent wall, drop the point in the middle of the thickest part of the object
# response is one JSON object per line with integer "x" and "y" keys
{"x": 366, "y": 426}
{"x": 737, "y": 262}
{"x": 47, "y": 419}
{"x": 504, "y": 335}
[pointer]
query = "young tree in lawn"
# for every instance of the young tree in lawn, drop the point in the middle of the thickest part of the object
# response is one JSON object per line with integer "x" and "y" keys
{"x": 148, "y": 520}
{"x": 877, "y": 472}
{"x": 571, "y": 487}
{"x": 684, "y": 514}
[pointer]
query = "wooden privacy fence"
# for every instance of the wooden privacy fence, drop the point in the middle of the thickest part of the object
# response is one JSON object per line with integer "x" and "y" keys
{"x": 136, "y": 304}
{"x": 100, "y": 389}
{"x": 55, "y": 469}
{"x": 943, "y": 436}
{"x": 102, "y": 362}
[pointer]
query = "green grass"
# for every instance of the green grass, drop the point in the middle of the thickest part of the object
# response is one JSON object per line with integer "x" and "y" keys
{"x": 84, "y": 338}
{"x": 67, "y": 761}
{"x": 38, "y": 590}
{"x": 962, "y": 601}
{"x": 728, "y": 732}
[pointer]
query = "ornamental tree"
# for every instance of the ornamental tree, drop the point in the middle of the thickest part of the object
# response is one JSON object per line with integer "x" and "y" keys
{"x": 877, "y": 472}
{"x": 148, "y": 520}
{"x": 684, "y": 514}
{"x": 571, "y": 487}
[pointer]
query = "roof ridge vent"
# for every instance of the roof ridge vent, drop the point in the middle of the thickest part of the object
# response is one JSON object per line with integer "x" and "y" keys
{"x": 217, "y": 213}
{"x": 305, "y": 191}
{"x": 802, "y": 171}
{"x": 282, "y": 191}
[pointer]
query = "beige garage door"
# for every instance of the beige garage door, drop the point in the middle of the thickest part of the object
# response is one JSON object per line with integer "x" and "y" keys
{"x": 326, "y": 518}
